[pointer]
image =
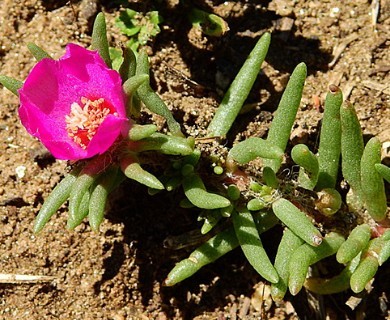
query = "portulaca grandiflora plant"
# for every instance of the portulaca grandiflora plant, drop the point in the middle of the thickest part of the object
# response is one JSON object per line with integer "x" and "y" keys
{"x": 83, "y": 110}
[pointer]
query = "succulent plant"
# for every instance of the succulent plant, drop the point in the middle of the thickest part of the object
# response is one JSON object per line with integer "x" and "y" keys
{"x": 235, "y": 205}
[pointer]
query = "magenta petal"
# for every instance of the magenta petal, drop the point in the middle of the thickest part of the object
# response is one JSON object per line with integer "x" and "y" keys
{"x": 106, "y": 135}
{"x": 51, "y": 88}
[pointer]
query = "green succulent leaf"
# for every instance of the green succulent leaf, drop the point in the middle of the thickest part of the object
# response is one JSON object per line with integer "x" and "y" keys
{"x": 210, "y": 24}
{"x": 306, "y": 255}
{"x": 352, "y": 147}
{"x": 336, "y": 284}
{"x": 139, "y": 132}
{"x": 210, "y": 251}
{"x": 151, "y": 100}
{"x": 252, "y": 148}
{"x": 330, "y": 140}
{"x": 134, "y": 171}
{"x": 383, "y": 170}
{"x": 83, "y": 211}
{"x": 289, "y": 243}
{"x": 251, "y": 245}
{"x": 99, "y": 40}
{"x": 256, "y": 204}
{"x": 372, "y": 184}
{"x": 128, "y": 67}
{"x": 308, "y": 173}
{"x": 196, "y": 192}
{"x": 367, "y": 267}
{"x": 80, "y": 187}
{"x": 11, "y": 84}
{"x": 280, "y": 130}
{"x": 297, "y": 221}
{"x": 211, "y": 219}
{"x": 355, "y": 243}
{"x": 38, "y": 52}
{"x": 384, "y": 254}
{"x": 238, "y": 91}
{"x": 56, "y": 198}
{"x": 172, "y": 145}
{"x": 270, "y": 178}
{"x": 131, "y": 85}
{"x": 98, "y": 198}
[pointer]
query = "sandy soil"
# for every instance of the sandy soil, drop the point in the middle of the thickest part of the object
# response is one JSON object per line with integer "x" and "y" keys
{"x": 118, "y": 273}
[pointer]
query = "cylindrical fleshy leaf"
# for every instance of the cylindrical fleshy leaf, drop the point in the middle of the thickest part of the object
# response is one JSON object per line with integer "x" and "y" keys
{"x": 330, "y": 140}
{"x": 335, "y": 284}
{"x": 297, "y": 221}
{"x": 254, "y": 147}
{"x": 306, "y": 255}
{"x": 251, "y": 245}
{"x": 133, "y": 170}
{"x": 280, "y": 130}
{"x": 11, "y": 84}
{"x": 289, "y": 243}
{"x": 372, "y": 184}
{"x": 383, "y": 170}
{"x": 38, "y": 52}
{"x": 58, "y": 196}
{"x": 239, "y": 89}
{"x": 367, "y": 267}
{"x": 196, "y": 192}
{"x": 308, "y": 173}
{"x": 356, "y": 242}
{"x": 210, "y": 251}
{"x": 352, "y": 147}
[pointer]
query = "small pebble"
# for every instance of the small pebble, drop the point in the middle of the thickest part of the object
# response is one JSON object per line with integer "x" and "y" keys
{"x": 20, "y": 171}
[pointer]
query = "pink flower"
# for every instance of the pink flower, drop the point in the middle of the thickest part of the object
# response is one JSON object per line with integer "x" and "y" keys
{"x": 75, "y": 105}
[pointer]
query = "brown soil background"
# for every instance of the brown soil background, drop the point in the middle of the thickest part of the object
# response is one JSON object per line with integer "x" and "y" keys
{"x": 118, "y": 273}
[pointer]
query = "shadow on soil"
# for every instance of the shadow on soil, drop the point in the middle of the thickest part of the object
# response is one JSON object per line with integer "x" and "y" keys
{"x": 148, "y": 220}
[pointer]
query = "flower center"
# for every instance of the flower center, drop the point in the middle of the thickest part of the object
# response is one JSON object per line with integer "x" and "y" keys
{"x": 84, "y": 120}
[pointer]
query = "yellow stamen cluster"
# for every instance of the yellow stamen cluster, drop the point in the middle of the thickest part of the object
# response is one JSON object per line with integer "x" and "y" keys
{"x": 84, "y": 120}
